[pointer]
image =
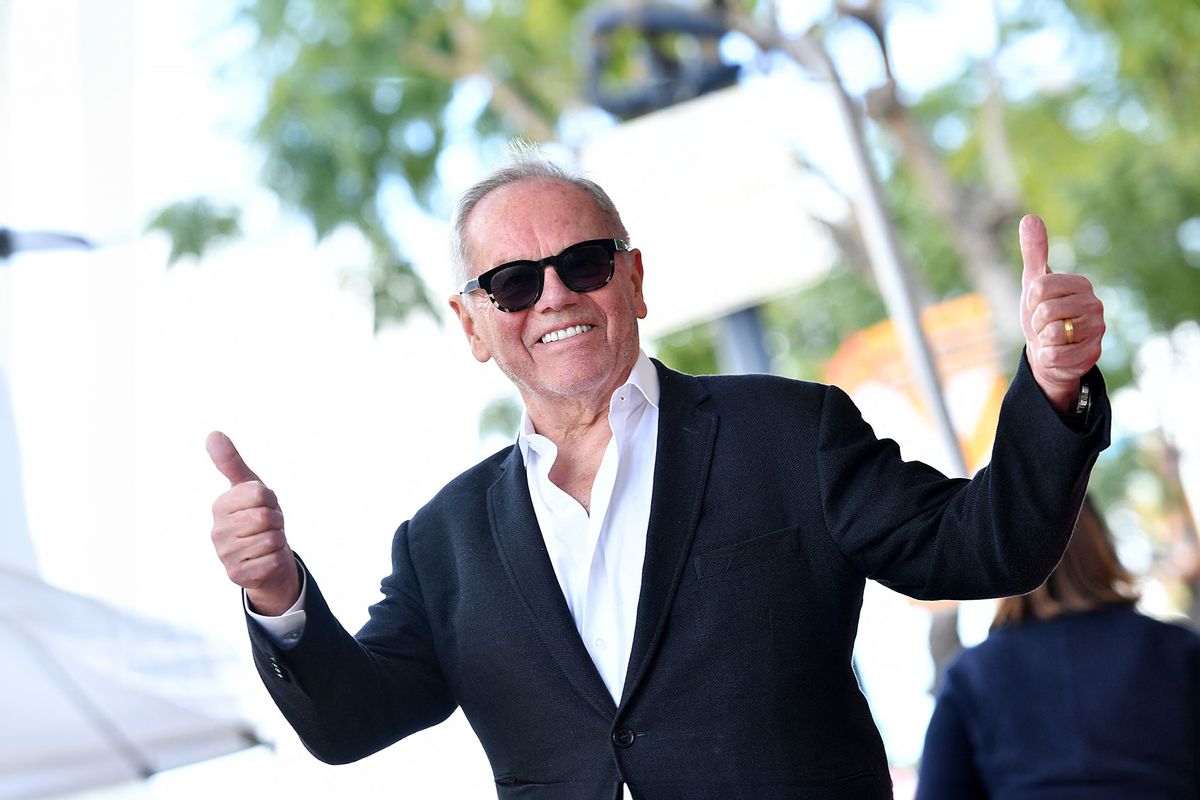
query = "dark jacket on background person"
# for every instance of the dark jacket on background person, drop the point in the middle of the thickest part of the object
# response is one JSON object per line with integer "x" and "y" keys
{"x": 1101, "y": 705}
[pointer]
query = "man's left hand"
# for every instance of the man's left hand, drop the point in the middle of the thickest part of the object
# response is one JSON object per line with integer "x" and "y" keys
{"x": 1062, "y": 318}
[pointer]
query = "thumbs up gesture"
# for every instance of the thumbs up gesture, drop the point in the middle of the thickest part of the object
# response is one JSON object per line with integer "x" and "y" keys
{"x": 1062, "y": 318}
{"x": 248, "y": 534}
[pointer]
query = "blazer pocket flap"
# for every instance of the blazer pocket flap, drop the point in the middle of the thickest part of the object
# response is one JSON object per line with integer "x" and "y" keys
{"x": 735, "y": 556}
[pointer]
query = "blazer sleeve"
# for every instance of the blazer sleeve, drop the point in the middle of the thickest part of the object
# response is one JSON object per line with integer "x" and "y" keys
{"x": 350, "y": 696}
{"x": 948, "y": 768}
{"x": 909, "y": 527}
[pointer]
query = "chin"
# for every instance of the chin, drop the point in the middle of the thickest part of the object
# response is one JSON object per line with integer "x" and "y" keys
{"x": 575, "y": 384}
{"x": 582, "y": 375}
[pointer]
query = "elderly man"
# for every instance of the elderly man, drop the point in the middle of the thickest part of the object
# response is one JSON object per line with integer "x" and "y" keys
{"x": 658, "y": 585}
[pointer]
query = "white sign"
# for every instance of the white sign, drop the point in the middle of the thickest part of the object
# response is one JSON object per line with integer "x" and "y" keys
{"x": 714, "y": 196}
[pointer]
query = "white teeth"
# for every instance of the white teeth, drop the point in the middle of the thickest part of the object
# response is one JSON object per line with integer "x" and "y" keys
{"x": 565, "y": 333}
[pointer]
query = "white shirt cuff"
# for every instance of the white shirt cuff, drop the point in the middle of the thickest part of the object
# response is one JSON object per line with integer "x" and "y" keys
{"x": 286, "y": 629}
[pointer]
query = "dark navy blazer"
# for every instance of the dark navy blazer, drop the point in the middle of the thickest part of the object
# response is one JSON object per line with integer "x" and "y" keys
{"x": 773, "y": 502}
{"x": 1096, "y": 706}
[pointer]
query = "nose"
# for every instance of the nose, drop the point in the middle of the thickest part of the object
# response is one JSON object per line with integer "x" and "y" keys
{"x": 555, "y": 293}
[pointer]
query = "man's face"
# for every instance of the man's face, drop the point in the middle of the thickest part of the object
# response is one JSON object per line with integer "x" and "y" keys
{"x": 533, "y": 219}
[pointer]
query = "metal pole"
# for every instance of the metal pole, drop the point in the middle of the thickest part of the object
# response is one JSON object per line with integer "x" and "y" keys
{"x": 884, "y": 253}
{"x": 740, "y": 346}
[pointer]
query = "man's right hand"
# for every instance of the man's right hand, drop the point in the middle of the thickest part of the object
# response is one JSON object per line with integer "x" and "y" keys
{"x": 248, "y": 534}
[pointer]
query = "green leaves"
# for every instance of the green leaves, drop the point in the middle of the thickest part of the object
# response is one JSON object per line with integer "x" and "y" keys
{"x": 364, "y": 97}
{"x": 358, "y": 102}
{"x": 194, "y": 226}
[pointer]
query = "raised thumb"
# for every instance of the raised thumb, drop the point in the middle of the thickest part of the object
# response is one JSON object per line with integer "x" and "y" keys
{"x": 227, "y": 459}
{"x": 1035, "y": 249}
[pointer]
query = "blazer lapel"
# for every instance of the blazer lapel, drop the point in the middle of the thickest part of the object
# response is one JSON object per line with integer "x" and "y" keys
{"x": 685, "y": 444}
{"x": 523, "y": 553}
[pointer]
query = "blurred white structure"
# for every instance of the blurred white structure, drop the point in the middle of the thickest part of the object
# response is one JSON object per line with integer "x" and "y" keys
{"x": 719, "y": 208}
{"x": 91, "y": 695}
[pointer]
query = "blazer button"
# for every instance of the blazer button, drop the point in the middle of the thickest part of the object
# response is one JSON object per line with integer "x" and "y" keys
{"x": 623, "y": 738}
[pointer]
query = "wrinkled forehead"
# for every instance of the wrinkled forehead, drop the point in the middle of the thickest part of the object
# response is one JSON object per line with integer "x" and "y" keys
{"x": 531, "y": 218}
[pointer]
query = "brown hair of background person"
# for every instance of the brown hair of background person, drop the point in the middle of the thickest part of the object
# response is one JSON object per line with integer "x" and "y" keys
{"x": 1088, "y": 577}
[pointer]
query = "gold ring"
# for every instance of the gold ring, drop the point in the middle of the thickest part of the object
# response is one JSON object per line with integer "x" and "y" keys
{"x": 1070, "y": 328}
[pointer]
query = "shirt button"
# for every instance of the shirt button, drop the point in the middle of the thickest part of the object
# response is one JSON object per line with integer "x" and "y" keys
{"x": 623, "y": 738}
{"x": 599, "y": 642}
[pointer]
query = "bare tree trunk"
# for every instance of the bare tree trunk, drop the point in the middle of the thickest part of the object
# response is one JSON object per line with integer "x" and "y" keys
{"x": 893, "y": 276}
{"x": 973, "y": 219}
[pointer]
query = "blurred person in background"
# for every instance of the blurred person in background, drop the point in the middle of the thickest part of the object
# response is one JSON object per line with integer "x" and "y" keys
{"x": 657, "y": 586}
{"x": 1074, "y": 695}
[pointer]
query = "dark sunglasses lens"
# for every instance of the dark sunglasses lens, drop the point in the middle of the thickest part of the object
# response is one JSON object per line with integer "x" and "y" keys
{"x": 517, "y": 286}
{"x": 586, "y": 268}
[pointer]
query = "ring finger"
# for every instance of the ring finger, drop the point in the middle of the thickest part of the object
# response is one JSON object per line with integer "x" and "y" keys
{"x": 1063, "y": 332}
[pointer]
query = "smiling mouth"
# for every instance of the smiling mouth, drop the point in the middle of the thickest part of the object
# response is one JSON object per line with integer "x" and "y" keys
{"x": 565, "y": 333}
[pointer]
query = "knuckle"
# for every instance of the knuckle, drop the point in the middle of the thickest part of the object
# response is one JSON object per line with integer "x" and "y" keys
{"x": 260, "y": 518}
{"x": 224, "y": 501}
{"x": 249, "y": 576}
{"x": 221, "y": 533}
{"x": 228, "y": 556}
{"x": 262, "y": 571}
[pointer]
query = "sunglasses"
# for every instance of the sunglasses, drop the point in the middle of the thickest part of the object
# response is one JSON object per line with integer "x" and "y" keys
{"x": 517, "y": 285}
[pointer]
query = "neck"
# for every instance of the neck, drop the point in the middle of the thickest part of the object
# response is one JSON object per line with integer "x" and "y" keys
{"x": 581, "y": 445}
{"x": 562, "y": 420}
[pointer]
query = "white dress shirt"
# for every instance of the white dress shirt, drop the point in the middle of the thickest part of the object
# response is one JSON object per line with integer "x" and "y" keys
{"x": 598, "y": 557}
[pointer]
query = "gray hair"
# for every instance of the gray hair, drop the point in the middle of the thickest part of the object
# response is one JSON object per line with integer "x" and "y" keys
{"x": 527, "y": 164}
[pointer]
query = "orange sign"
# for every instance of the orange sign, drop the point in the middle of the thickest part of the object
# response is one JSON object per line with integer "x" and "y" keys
{"x": 870, "y": 366}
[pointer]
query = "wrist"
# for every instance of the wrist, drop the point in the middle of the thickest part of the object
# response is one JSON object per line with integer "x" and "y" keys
{"x": 273, "y": 600}
{"x": 1079, "y": 413}
{"x": 1063, "y": 399}
{"x": 268, "y": 604}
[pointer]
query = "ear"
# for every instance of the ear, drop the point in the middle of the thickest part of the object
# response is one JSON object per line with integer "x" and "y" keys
{"x": 635, "y": 274}
{"x": 479, "y": 349}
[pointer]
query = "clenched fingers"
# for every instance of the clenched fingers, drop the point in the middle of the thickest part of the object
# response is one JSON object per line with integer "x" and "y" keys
{"x": 261, "y": 572}
{"x": 233, "y": 550}
{"x": 1083, "y": 329}
{"x": 247, "y": 522}
{"x": 1068, "y": 362}
{"x": 252, "y": 494}
{"x": 1059, "y": 297}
